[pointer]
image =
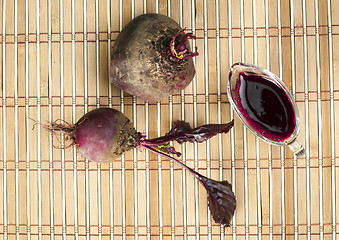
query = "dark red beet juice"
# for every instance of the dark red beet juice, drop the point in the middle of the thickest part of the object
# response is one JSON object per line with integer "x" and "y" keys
{"x": 265, "y": 106}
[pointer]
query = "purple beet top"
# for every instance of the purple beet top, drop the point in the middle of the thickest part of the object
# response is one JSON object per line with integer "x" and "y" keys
{"x": 265, "y": 106}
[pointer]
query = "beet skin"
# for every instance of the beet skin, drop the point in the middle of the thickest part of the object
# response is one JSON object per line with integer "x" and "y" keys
{"x": 101, "y": 135}
{"x": 105, "y": 134}
{"x": 151, "y": 58}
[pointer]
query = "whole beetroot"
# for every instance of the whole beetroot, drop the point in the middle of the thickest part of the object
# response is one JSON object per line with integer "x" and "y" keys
{"x": 101, "y": 135}
{"x": 151, "y": 58}
{"x": 104, "y": 134}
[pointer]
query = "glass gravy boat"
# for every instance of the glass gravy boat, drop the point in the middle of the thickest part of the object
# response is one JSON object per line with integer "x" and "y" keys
{"x": 264, "y": 105}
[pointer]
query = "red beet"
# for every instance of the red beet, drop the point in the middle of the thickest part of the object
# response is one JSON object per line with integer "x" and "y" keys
{"x": 104, "y": 134}
{"x": 151, "y": 58}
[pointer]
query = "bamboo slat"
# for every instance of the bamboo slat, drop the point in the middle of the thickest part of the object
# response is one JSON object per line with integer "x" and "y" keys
{"x": 54, "y": 64}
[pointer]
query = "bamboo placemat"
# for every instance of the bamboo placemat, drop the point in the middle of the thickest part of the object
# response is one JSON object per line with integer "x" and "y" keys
{"x": 55, "y": 64}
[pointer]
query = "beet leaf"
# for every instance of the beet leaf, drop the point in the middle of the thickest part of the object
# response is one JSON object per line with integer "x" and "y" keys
{"x": 182, "y": 132}
{"x": 221, "y": 199}
{"x": 166, "y": 148}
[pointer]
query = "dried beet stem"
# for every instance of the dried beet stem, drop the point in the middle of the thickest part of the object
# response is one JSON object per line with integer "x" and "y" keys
{"x": 180, "y": 51}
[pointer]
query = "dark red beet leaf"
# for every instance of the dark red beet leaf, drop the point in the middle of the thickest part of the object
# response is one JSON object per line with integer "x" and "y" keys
{"x": 199, "y": 134}
{"x": 182, "y": 132}
{"x": 221, "y": 199}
